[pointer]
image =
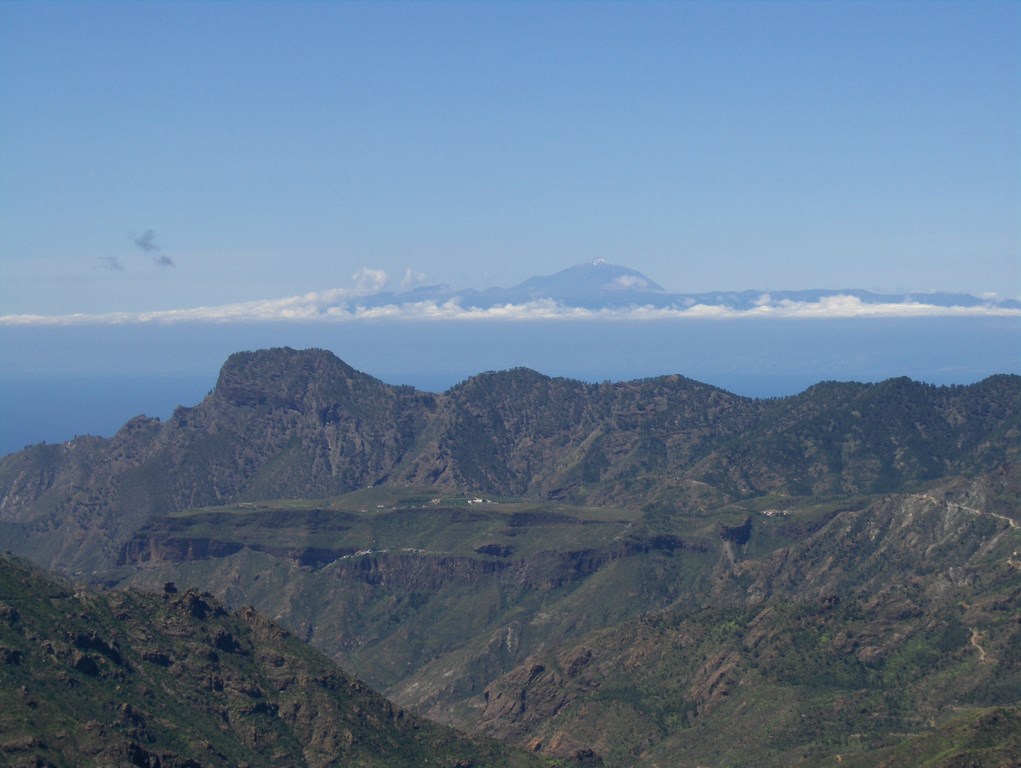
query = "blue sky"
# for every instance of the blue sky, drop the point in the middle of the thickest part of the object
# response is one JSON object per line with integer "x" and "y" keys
{"x": 158, "y": 156}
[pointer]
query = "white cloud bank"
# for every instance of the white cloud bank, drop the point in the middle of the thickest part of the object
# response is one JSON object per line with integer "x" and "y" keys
{"x": 341, "y": 305}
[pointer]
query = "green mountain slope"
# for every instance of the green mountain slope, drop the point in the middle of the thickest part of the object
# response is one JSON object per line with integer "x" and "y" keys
{"x": 121, "y": 678}
{"x": 399, "y": 584}
{"x": 813, "y": 628}
{"x": 885, "y": 620}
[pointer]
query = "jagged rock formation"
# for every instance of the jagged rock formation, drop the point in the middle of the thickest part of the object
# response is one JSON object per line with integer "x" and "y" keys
{"x": 283, "y": 423}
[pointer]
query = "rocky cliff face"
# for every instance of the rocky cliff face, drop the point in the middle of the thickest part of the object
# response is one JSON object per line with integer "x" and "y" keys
{"x": 283, "y": 423}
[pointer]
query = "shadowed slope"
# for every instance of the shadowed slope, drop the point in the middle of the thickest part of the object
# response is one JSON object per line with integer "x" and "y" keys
{"x": 117, "y": 678}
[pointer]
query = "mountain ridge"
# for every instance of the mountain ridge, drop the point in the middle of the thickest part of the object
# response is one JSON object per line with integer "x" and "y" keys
{"x": 306, "y": 425}
{"x": 653, "y": 571}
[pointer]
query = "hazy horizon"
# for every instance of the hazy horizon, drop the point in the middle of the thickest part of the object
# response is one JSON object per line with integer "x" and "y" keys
{"x": 372, "y": 295}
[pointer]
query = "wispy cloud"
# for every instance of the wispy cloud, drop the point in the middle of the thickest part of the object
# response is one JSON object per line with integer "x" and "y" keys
{"x": 346, "y": 305}
{"x": 146, "y": 242}
{"x": 411, "y": 279}
{"x": 630, "y": 281}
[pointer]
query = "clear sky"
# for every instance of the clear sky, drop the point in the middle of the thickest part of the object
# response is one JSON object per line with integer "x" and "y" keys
{"x": 160, "y": 155}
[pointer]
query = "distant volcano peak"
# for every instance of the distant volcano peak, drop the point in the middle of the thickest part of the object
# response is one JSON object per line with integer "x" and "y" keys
{"x": 596, "y": 277}
{"x": 598, "y": 285}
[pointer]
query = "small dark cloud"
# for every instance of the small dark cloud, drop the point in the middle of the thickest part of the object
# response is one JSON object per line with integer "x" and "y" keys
{"x": 146, "y": 242}
{"x": 112, "y": 263}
